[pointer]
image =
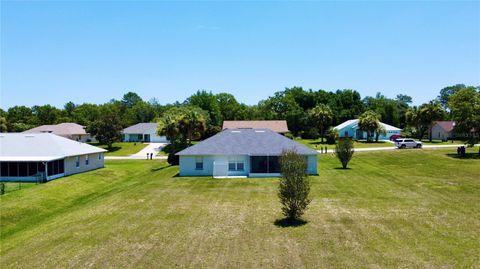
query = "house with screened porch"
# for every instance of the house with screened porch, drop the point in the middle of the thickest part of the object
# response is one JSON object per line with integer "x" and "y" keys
{"x": 242, "y": 153}
{"x": 40, "y": 157}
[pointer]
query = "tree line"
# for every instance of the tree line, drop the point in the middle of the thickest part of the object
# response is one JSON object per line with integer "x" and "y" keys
{"x": 309, "y": 113}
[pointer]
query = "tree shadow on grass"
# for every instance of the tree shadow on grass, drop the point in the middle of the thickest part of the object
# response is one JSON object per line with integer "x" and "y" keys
{"x": 285, "y": 223}
{"x": 341, "y": 168}
{"x": 467, "y": 156}
{"x": 113, "y": 149}
{"x": 159, "y": 168}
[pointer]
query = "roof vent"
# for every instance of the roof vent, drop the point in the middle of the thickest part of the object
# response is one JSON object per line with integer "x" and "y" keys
{"x": 259, "y": 131}
{"x": 236, "y": 131}
{"x": 29, "y": 136}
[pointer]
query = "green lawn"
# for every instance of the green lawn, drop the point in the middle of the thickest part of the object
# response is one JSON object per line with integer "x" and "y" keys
{"x": 316, "y": 144}
{"x": 440, "y": 142}
{"x": 402, "y": 209}
{"x": 122, "y": 148}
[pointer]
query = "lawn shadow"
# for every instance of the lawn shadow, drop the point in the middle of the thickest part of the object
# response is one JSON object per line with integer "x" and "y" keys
{"x": 113, "y": 149}
{"x": 467, "y": 156}
{"x": 285, "y": 223}
{"x": 159, "y": 168}
{"x": 341, "y": 168}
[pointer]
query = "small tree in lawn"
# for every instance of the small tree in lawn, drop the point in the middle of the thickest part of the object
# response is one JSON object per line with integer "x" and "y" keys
{"x": 107, "y": 129}
{"x": 294, "y": 185}
{"x": 344, "y": 150}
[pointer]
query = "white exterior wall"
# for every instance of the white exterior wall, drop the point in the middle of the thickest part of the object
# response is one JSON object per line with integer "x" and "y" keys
{"x": 438, "y": 133}
{"x": 187, "y": 165}
{"x": 94, "y": 163}
{"x": 154, "y": 137}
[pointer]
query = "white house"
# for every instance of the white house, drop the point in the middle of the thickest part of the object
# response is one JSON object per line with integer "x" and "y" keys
{"x": 143, "y": 132}
{"x": 40, "y": 157}
{"x": 350, "y": 128}
{"x": 68, "y": 130}
{"x": 242, "y": 153}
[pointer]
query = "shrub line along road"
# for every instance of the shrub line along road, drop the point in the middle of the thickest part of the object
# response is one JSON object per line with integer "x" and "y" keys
{"x": 395, "y": 148}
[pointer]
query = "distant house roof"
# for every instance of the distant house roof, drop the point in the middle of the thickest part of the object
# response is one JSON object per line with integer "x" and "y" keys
{"x": 446, "y": 125}
{"x": 256, "y": 142}
{"x": 67, "y": 128}
{"x": 41, "y": 147}
{"x": 279, "y": 126}
{"x": 354, "y": 124}
{"x": 140, "y": 128}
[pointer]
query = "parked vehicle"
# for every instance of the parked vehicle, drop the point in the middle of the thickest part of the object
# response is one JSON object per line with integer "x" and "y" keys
{"x": 395, "y": 137}
{"x": 407, "y": 143}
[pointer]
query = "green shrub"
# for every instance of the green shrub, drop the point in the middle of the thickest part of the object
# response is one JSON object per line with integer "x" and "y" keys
{"x": 344, "y": 150}
{"x": 294, "y": 185}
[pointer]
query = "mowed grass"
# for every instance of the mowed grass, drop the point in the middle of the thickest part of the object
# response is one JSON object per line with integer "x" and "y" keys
{"x": 317, "y": 144}
{"x": 121, "y": 148}
{"x": 402, "y": 209}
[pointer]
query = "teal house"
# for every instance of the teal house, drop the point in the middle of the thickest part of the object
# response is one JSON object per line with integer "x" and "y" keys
{"x": 242, "y": 153}
{"x": 350, "y": 129}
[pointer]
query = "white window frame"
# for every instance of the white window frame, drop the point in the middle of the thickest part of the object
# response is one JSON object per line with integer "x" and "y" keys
{"x": 99, "y": 156}
{"x": 236, "y": 161}
{"x": 87, "y": 160}
{"x": 77, "y": 162}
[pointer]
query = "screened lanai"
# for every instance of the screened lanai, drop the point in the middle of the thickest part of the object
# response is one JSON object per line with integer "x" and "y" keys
{"x": 31, "y": 171}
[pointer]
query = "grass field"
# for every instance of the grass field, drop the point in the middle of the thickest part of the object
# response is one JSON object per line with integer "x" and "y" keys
{"x": 403, "y": 209}
{"x": 122, "y": 148}
{"x": 316, "y": 144}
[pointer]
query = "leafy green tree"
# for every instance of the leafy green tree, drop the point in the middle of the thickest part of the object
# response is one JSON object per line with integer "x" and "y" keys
{"x": 344, "y": 150}
{"x": 465, "y": 108}
{"x": 46, "y": 114}
{"x": 69, "y": 108}
{"x": 294, "y": 187}
{"x": 322, "y": 115}
{"x": 229, "y": 107}
{"x": 446, "y": 92}
{"x": 3, "y": 125}
{"x": 107, "y": 128}
{"x": 140, "y": 112}
{"x": 369, "y": 122}
{"x": 208, "y": 102}
{"x": 86, "y": 114}
{"x": 130, "y": 99}
{"x": 20, "y": 118}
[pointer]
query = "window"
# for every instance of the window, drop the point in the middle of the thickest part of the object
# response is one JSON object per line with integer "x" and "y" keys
{"x": 198, "y": 163}
{"x": 99, "y": 156}
{"x": 86, "y": 160}
{"x": 235, "y": 164}
{"x": 77, "y": 162}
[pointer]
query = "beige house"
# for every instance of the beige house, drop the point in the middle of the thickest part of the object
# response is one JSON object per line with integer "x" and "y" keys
{"x": 40, "y": 157}
{"x": 278, "y": 126}
{"x": 68, "y": 130}
{"x": 443, "y": 130}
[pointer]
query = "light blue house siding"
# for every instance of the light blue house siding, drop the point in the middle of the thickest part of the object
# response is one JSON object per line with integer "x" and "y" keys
{"x": 188, "y": 165}
{"x": 350, "y": 129}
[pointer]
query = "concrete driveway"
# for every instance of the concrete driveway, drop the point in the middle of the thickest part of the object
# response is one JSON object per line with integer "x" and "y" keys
{"x": 142, "y": 154}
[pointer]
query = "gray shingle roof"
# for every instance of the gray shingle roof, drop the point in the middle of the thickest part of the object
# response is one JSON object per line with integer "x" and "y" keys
{"x": 246, "y": 142}
{"x": 140, "y": 128}
{"x": 41, "y": 147}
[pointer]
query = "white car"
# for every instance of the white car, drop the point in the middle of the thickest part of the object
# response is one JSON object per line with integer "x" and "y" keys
{"x": 402, "y": 143}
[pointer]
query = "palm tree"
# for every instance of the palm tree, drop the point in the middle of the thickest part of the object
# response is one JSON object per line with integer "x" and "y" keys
{"x": 369, "y": 123}
{"x": 192, "y": 125}
{"x": 429, "y": 113}
{"x": 322, "y": 115}
{"x": 169, "y": 127}
{"x": 380, "y": 131}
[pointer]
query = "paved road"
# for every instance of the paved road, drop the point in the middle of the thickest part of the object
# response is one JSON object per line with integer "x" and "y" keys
{"x": 394, "y": 148}
{"x": 142, "y": 154}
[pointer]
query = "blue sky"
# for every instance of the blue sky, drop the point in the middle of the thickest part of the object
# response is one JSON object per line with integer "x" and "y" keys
{"x": 55, "y": 52}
